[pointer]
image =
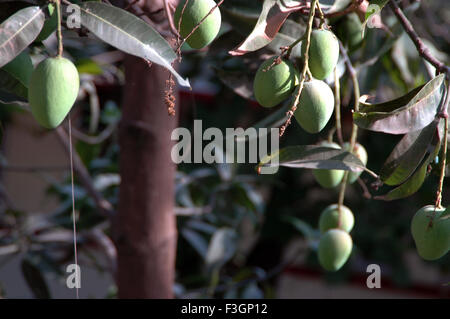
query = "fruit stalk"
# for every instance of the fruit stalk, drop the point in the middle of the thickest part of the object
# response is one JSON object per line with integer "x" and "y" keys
{"x": 337, "y": 107}
{"x": 356, "y": 96}
{"x": 290, "y": 113}
{"x": 58, "y": 32}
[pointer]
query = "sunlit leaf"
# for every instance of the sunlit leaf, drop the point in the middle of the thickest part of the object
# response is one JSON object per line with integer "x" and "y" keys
{"x": 18, "y": 31}
{"x": 315, "y": 157}
{"x": 409, "y": 113}
{"x": 272, "y": 17}
{"x": 130, "y": 34}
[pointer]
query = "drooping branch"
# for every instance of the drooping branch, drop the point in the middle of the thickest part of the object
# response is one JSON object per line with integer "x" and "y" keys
{"x": 421, "y": 47}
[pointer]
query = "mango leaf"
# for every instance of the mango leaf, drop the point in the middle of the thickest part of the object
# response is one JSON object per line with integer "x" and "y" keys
{"x": 130, "y": 34}
{"x": 413, "y": 184}
{"x": 12, "y": 85}
{"x": 197, "y": 241}
{"x": 221, "y": 247}
{"x": 399, "y": 117}
{"x": 272, "y": 17}
{"x": 374, "y": 7}
{"x": 35, "y": 280}
{"x": 315, "y": 157}
{"x": 239, "y": 82}
{"x": 407, "y": 155}
{"x": 18, "y": 31}
{"x": 305, "y": 229}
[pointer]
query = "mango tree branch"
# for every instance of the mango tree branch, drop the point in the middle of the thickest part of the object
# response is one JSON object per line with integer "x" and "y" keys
{"x": 421, "y": 47}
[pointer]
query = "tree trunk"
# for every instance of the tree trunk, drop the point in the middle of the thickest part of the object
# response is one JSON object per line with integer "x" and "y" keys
{"x": 145, "y": 227}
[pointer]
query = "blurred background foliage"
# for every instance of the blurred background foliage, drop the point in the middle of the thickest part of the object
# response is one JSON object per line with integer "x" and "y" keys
{"x": 234, "y": 225}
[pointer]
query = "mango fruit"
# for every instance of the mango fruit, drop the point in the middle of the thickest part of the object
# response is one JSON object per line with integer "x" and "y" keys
{"x": 323, "y": 53}
{"x": 329, "y": 218}
{"x": 431, "y": 232}
{"x": 329, "y": 178}
{"x": 194, "y": 12}
{"x": 53, "y": 90}
{"x": 335, "y": 247}
{"x": 349, "y": 30}
{"x": 360, "y": 152}
{"x": 274, "y": 85}
{"x": 315, "y": 107}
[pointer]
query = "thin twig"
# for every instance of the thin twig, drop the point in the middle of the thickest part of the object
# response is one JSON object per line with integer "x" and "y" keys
{"x": 59, "y": 33}
{"x": 444, "y": 114}
{"x": 169, "y": 15}
{"x": 421, "y": 47}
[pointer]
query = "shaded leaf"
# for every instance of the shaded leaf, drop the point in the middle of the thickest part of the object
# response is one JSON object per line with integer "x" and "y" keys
{"x": 316, "y": 157}
{"x": 130, "y": 34}
{"x": 305, "y": 229}
{"x": 18, "y": 31}
{"x": 400, "y": 117}
{"x": 407, "y": 155}
{"x": 197, "y": 241}
{"x": 241, "y": 83}
{"x": 413, "y": 184}
{"x": 272, "y": 17}
{"x": 35, "y": 280}
{"x": 9, "y": 83}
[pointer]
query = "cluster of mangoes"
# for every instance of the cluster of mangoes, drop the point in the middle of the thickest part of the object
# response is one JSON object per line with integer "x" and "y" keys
{"x": 277, "y": 80}
{"x": 335, "y": 245}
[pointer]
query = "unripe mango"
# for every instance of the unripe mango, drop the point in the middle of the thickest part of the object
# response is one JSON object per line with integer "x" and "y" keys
{"x": 315, "y": 107}
{"x": 360, "y": 152}
{"x": 329, "y": 218}
{"x": 329, "y": 178}
{"x": 53, "y": 90}
{"x": 335, "y": 247}
{"x": 20, "y": 68}
{"x": 323, "y": 53}
{"x": 431, "y": 235}
{"x": 194, "y": 12}
{"x": 275, "y": 84}
{"x": 349, "y": 30}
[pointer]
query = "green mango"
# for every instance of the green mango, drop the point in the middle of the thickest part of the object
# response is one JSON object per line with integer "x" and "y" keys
{"x": 431, "y": 235}
{"x": 335, "y": 246}
{"x": 361, "y": 153}
{"x": 273, "y": 86}
{"x": 349, "y": 30}
{"x": 323, "y": 53}
{"x": 315, "y": 107}
{"x": 194, "y": 12}
{"x": 329, "y": 218}
{"x": 20, "y": 68}
{"x": 50, "y": 24}
{"x": 329, "y": 178}
{"x": 53, "y": 90}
